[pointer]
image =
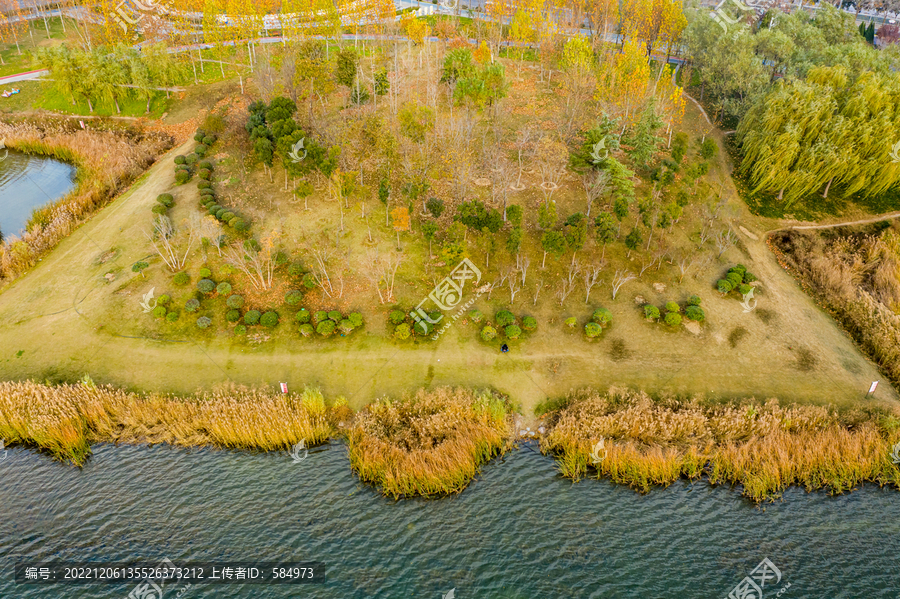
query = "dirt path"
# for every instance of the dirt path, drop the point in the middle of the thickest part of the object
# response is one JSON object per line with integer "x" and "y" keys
{"x": 862, "y": 221}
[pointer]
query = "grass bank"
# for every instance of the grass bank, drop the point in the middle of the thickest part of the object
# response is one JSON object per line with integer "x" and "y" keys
{"x": 431, "y": 443}
{"x": 765, "y": 447}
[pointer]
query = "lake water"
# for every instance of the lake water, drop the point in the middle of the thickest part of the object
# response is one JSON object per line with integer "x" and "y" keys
{"x": 519, "y": 531}
{"x": 27, "y": 182}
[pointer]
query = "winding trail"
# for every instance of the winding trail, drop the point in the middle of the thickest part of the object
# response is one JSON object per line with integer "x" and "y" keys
{"x": 862, "y": 221}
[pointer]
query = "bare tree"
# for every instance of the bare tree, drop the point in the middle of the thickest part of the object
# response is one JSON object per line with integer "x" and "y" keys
{"x": 646, "y": 265}
{"x": 502, "y": 175}
{"x": 567, "y": 283}
{"x": 523, "y": 140}
{"x": 522, "y": 263}
{"x": 595, "y": 183}
{"x": 590, "y": 275}
{"x": 169, "y": 243}
{"x": 725, "y": 239}
{"x": 320, "y": 271}
{"x": 514, "y": 287}
{"x": 706, "y": 231}
{"x": 685, "y": 262}
{"x": 620, "y": 278}
{"x": 258, "y": 262}
{"x": 212, "y": 232}
{"x": 537, "y": 291}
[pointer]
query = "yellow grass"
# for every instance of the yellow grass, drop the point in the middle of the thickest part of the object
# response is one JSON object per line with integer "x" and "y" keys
{"x": 430, "y": 444}
{"x": 762, "y": 446}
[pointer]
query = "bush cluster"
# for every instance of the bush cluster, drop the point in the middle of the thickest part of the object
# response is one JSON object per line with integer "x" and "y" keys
{"x": 672, "y": 316}
{"x": 327, "y": 322}
{"x": 738, "y": 278}
{"x": 506, "y": 321}
{"x": 600, "y": 319}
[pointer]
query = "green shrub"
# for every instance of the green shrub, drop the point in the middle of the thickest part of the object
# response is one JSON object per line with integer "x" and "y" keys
{"x": 673, "y": 319}
{"x": 724, "y": 285}
{"x": 251, "y": 317}
{"x": 306, "y": 330}
{"x": 396, "y": 317}
{"x": 204, "y": 321}
{"x": 735, "y": 278}
{"x": 651, "y": 312}
{"x": 738, "y": 268}
{"x": 240, "y": 330}
{"x": 402, "y": 331}
{"x": 749, "y": 277}
{"x": 220, "y": 212}
{"x": 179, "y": 159}
{"x": 529, "y": 323}
{"x": 233, "y": 221}
{"x": 295, "y": 269}
{"x": 201, "y": 185}
{"x": 673, "y": 307}
{"x": 158, "y": 209}
{"x": 512, "y": 331}
{"x": 191, "y": 158}
{"x": 233, "y": 315}
{"x": 321, "y": 316}
{"x": 206, "y": 285}
{"x": 476, "y": 316}
{"x": 166, "y": 199}
{"x": 201, "y": 150}
{"x": 182, "y": 167}
{"x": 227, "y": 270}
{"x": 334, "y": 315}
{"x": 204, "y": 173}
{"x": 602, "y": 316}
{"x": 504, "y": 318}
{"x": 192, "y": 305}
{"x": 159, "y": 311}
{"x": 138, "y": 266}
{"x": 708, "y": 148}
{"x": 242, "y": 226}
{"x": 488, "y": 332}
{"x": 208, "y": 140}
{"x": 346, "y": 326}
{"x": 214, "y": 208}
{"x": 181, "y": 278}
{"x": 694, "y": 300}
{"x": 172, "y": 316}
{"x": 571, "y": 322}
{"x": 744, "y": 289}
{"x": 205, "y": 164}
{"x": 592, "y": 329}
{"x": 223, "y": 288}
{"x": 207, "y": 195}
{"x": 695, "y": 313}
{"x": 182, "y": 177}
{"x": 293, "y": 297}
{"x": 235, "y": 302}
{"x": 163, "y": 300}
{"x": 269, "y": 319}
{"x": 325, "y": 328}
{"x": 355, "y": 319}
{"x": 198, "y": 136}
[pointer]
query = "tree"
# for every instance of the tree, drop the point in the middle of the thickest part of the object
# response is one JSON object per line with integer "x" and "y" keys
{"x": 552, "y": 242}
{"x": 595, "y": 183}
{"x": 428, "y": 230}
{"x": 633, "y": 240}
{"x": 643, "y": 140}
{"x": 139, "y": 267}
{"x": 547, "y": 216}
{"x": 514, "y": 241}
{"x": 475, "y": 215}
{"x": 576, "y": 232}
{"x": 604, "y": 230}
{"x": 347, "y": 65}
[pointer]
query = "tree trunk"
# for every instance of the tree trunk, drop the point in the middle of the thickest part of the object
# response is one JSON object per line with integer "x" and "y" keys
{"x": 827, "y": 187}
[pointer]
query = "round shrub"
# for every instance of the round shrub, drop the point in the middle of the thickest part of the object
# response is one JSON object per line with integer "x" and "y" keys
{"x": 198, "y": 136}
{"x": 651, "y": 312}
{"x": 204, "y": 173}
{"x": 179, "y": 159}
{"x": 205, "y": 164}
{"x": 182, "y": 167}
{"x": 204, "y": 321}
{"x": 208, "y": 140}
{"x": 243, "y": 226}
{"x": 233, "y": 221}
{"x": 235, "y": 302}
{"x": 228, "y": 216}
{"x": 504, "y": 318}
{"x": 251, "y": 317}
{"x": 320, "y": 316}
{"x": 214, "y": 208}
{"x": 240, "y": 330}
{"x": 346, "y": 326}
{"x": 159, "y": 311}
{"x": 749, "y": 277}
{"x": 158, "y": 209}
{"x": 207, "y": 194}
{"x": 172, "y": 316}
{"x": 295, "y": 269}
{"x": 334, "y": 315}
{"x": 205, "y": 273}
{"x": 191, "y": 158}
{"x": 512, "y": 331}
{"x": 396, "y": 317}
{"x": 166, "y": 199}
{"x": 182, "y": 177}
{"x": 695, "y": 313}
{"x": 269, "y": 319}
{"x": 744, "y": 289}
{"x": 302, "y": 316}
{"x": 476, "y": 315}
{"x": 200, "y": 150}
{"x": 325, "y": 328}
{"x": 181, "y": 278}
{"x": 592, "y": 329}
{"x": 207, "y": 202}
{"x": 602, "y": 316}
{"x": 163, "y": 300}
{"x": 355, "y": 319}
{"x": 673, "y": 319}
{"x": 694, "y": 300}
{"x": 735, "y": 278}
{"x": 738, "y": 268}
{"x": 192, "y": 305}
{"x": 233, "y": 315}
{"x": 306, "y": 330}
{"x": 724, "y": 285}
{"x": 488, "y": 332}
{"x": 203, "y": 185}
{"x": 402, "y": 331}
{"x": 218, "y": 213}
{"x": 227, "y": 270}
{"x": 206, "y": 285}
{"x": 529, "y": 323}
{"x": 673, "y": 307}
{"x": 223, "y": 288}
{"x": 571, "y": 322}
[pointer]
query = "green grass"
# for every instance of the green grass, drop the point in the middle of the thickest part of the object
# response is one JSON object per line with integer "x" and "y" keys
{"x": 18, "y": 63}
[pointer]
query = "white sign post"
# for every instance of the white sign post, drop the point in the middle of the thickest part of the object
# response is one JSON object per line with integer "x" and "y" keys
{"x": 284, "y": 387}
{"x": 872, "y": 389}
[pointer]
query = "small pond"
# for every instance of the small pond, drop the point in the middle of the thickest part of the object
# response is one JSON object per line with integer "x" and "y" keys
{"x": 28, "y": 182}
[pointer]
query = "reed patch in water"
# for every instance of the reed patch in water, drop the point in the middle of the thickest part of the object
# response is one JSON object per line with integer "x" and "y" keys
{"x": 432, "y": 443}
{"x": 765, "y": 447}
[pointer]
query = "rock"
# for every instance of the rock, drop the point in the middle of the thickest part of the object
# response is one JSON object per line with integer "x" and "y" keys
{"x": 748, "y": 233}
{"x": 693, "y": 327}
{"x": 659, "y": 287}
{"x": 639, "y": 299}
{"x": 110, "y": 277}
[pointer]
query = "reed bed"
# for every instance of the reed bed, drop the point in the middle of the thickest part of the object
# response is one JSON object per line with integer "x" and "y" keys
{"x": 106, "y": 161}
{"x": 432, "y": 443}
{"x": 66, "y": 419}
{"x": 764, "y": 447}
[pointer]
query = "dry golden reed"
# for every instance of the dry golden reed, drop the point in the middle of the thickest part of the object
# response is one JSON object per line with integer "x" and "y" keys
{"x": 429, "y": 444}
{"x": 763, "y": 447}
{"x": 66, "y": 419}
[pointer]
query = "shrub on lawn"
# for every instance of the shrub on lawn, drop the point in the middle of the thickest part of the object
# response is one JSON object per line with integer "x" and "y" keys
{"x": 166, "y": 199}
{"x": 512, "y": 331}
{"x": 214, "y": 208}
{"x": 402, "y": 331}
{"x": 205, "y": 273}
{"x": 192, "y": 305}
{"x": 201, "y": 185}
{"x": 269, "y": 319}
{"x": 293, "y": 297}
{"x": 206, "y": 285}
{"x": 571, "y": 322}
{"x": 204, "y": 321}
{"x": 251, "y": 317}
{"x": 235, "y": 302}
{"x": 529, "y": 323}
{"x": 198, "y": 136}
{"x": 735, "y": 278}
{"x": 182, "y": 177}
{"x": 355, "y": 319}
{"x": 346, "y": 326}
{"x": 181, "y": 278}
{"x": 159, "y": 311}
{"x": 695, "y": 313}
{"x": 504, "y": 318}
{"x": 724, "y": 286}
{"x": 306, "y": 330}
{"x": 673, "y": 319}
{"x": 208, "y": 140}
{"x": 164, "y": 300}
{"x": 397, "y": 316}
{"x": 325, "y": 328}
{"x": 179, "y": 159}
{"x": 242, "y": 226}
{"x": 651, "y": 312}
{"x": 744, "y": 289}
{"x": 592, "y": 329}
{"x": 334, "y": 315}
{"x": 223, "y": 288}
{"x": 233, "y": 315}
{"x": 302, "y": 316}
{"x": 240, "y": 330}
{"x": 191, "y": 159}
{"x": 204, "y": 173}
{"x": 602, "y": 317}
{"x": 218, "y": 213}
{"x": 321, "y": 316}
{"x": 476, "y": 316}
{"x": 205, "y": 164}
{"x": 201, "y": 150}
{"x": 694, "y": 300}
{"x": 172, "y": 316}
{"x": 749, "y": 277}
{"x": 673, "y": 307}
{"x": 158, "y": 209}
{"x": 488, "y": 332}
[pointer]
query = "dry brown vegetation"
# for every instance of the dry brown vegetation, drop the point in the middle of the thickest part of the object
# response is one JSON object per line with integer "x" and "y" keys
{"x": 66, "y": 419}
{"x": 857, "y": 278}
{"x": 107, "y": 162}
{"x": 765, "y": 447}
{"x": 430, "y": 444}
